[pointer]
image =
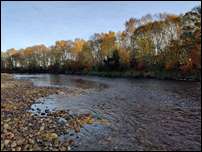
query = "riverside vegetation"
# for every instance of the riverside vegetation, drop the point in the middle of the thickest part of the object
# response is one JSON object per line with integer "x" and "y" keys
{"x": 161, "y": 46}
{"x": 156, "y": 115}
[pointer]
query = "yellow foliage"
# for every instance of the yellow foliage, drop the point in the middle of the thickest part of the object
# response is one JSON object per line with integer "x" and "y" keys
{"x": 124, "y": 56}
{"x": 78, "y": 45}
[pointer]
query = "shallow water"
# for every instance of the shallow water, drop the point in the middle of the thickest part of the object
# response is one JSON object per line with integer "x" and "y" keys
{"x": 142, "y": 114}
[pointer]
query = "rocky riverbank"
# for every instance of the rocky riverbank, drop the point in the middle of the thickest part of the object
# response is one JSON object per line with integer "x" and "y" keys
{"x": 22, "y": 130}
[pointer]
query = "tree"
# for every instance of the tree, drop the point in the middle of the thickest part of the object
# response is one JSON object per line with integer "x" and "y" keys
{"x": 107, "y": 44}
{"x": 85, "y": 57}
{"x": 164, "y": 41}
{"x": 130, "y": 27}
{"x": 145, "y": 49}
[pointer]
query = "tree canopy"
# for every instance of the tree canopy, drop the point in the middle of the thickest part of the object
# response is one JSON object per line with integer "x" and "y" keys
{"x": 163, "y": 42}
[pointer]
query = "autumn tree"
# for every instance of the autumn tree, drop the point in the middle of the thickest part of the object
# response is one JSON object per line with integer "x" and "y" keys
{"x": 145, "y": 49}
{"x": 130, "y": 27}
{"x": 107, "y": 45}
{"x": 191, "y": 41}
{"x": 85, "y": 57}
{"x": 164, "y": 41}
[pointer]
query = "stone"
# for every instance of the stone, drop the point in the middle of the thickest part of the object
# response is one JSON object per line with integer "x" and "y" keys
{"x": 14, "y": 144}
{"x": 6, "y": 142}
{"x": 18, "y": 148}
{"x": 31, "y": 141}
{"x": 38, "y": 109}
{"x": 42, "y": 113}
{"x": 62, "y": 121}
{"x": 50, "y": 136}
{"x": 20, "y": 141}
{"x": 6, "y": 126}
{"x": 47, "y": 111}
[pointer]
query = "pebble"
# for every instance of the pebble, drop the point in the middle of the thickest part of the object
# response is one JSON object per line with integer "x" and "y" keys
{"x": 51, "y": 136}
{"x": 42, "y": 128}
{"x": 6, "y": 142}
{"x": 62, "y": 121}
{"x": 31, "y": 141}
{"x": 71, "y": 134}
{"x": 71, "y": 142}
{"x": 18, "y": 148}
{"x": 2, "y": 146}
{"x": 10, "y": 135}
{"x": 20, "y": 141}
{"x": 47, "y": 111}
{"x": 6, "y": 126}
{"x": 33, "y": 132}
{"x": 38, "y": 109}
{"x": 14, "y": 144}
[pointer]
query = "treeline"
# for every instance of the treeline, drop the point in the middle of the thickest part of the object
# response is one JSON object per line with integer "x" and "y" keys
{"x": 165, "y": 44}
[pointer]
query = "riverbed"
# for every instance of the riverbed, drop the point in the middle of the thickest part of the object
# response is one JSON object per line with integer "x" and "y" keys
{"x": 136, "y": 114}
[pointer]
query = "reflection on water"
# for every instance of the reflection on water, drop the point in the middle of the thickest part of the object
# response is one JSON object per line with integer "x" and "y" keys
{"x": 61, "y": 81}
{"x": 143, "y": 114}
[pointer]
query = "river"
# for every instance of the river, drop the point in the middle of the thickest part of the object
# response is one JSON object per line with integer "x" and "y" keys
{"x": 140, "y": 114}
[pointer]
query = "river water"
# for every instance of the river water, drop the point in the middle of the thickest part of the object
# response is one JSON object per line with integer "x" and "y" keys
{"x": 141, "y": 114}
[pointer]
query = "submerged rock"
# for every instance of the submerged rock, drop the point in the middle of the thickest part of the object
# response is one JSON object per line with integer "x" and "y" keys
{"x": 24, "y": 129}
{"x": 47, "y": 111}
{"x": 62, "y": 121}
{"x": 39, "y": 110}
{"x": 43, "y": 114}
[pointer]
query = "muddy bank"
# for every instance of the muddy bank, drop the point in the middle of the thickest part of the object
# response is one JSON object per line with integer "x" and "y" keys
{"x": 22, "y": 130}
